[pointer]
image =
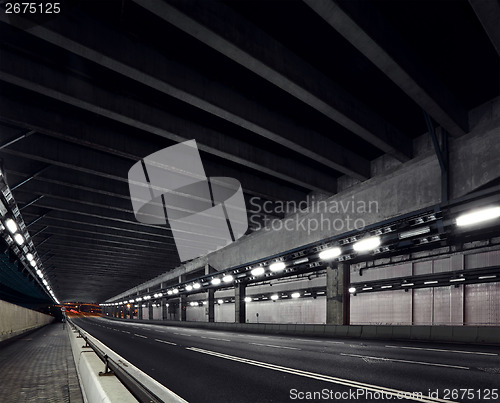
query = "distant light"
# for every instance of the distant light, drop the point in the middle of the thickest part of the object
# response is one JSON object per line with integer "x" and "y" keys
{"x": 330, "y": 253}
{"x": 258, "y": 271}
{"x": 414, "y": 232}
{"x": 159, "y": 295}
{"x": 386, "y": 286}
{"x": 216, "y": 281}
{"x": 175, "y": 291}
{"x": 45, "y": 282}
{"x": 11, "y": 225}
{"x": 189, "y": 288}
{"x": 407, "y": 284}
{"x": 155, "y": 296}
{"x": 367, "y": 289}
{"x": 131, "y": 300}
{"x": 248, "y": 299}
{"x": 478, "y": 216}
{"x": 300, "y": 261}
{"x": 169, "y": 292}
{"x": 352, "y": 290}
{"x": 193, "y": 303}
{"x": 274, "y": 297}
{"x": 220, "y": 301}
{"x": 19, "y": 239}
{"x": 196, "y": 286}
{"x": 453, "y": 280}
{"x": 430, "y": 282}
{"x": 227, "y": 278}
{"x": 33, "y": 263}
{"x": 30, "y": 257}
{"x": 278, "y": 266}
{"x": 204, "y": 302}
{"x": 367, "y": 244}
{"x": 296, "y": 295}
{"x": 39, "y": 272}
{"x": 486, "y": 277}
{"x": 138, "y": 299}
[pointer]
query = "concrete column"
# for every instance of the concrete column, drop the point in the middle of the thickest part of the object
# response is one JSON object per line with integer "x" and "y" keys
{"x": 337, "y": 294}
{"x": 150, "y": 310}
{"x": 211, "y": 305}
{"x": 182, "y": 302}
{"x": 239, "y": 303}
{"x": 164, "y": 309}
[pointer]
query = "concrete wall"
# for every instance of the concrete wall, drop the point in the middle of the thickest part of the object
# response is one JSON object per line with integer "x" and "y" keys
{"x": 16, "y": 320}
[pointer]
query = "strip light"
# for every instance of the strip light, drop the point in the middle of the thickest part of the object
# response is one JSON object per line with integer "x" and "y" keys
{"x": 478, "y": 216}
{"x": 367, "y": 244}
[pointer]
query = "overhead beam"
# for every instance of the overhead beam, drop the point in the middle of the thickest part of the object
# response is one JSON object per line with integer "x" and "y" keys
{"x": 488, "y": 13}
{"x": 252, "y": 48}
{"x": 76, "y": 92}
{"x": 364, "y": 27}
{"x": 131, "y": 59}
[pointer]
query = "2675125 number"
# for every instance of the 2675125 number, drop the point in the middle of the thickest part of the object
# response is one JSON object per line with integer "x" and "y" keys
{"x": 32, "y": 8}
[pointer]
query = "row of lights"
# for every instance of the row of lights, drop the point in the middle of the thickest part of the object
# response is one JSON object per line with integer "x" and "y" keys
{"x": 19, "y": 235}
{"x": 363, "y": 245}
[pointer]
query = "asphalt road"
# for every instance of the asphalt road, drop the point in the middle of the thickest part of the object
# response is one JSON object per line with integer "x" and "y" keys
{"x": 217, "y": 366}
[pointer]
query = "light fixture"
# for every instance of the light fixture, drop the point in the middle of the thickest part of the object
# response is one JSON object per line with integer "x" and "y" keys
{"x": 33, "y": 263}
{"x": 367, "y": 289}
{"x": 302, "y": 260}
{"x": 19, "y": 239}
{"x": 352, "y": 290}
{"x": 274, "y": 297}
{"x": 367, "y": 244}
{"x": 486, "y": 277}
{"x": 30, "y": 257}
{"x": 39, "y": 272}
{"x": 227, "y": 278}
{"x": 248, "y": 299}
{"x": 296, "y": 295}
{"x": 386, "y": 286}
{"x": 11, "y": 225}
{"x": 258, "y": 271}
{"x": 430, "y": 282}
{"x": 454, "y": 280}
{"x": 278, "y": 266}
{"x": 196, "y": 286}
{"x": 329, "y": 253}
{"x": 220, "y": 301}
{"x": 216, "y": 281}
{"x": 476, "y": 217}
{"x": 131, "y": 300}
{"x": 159, "y": 295}
{"x": 175, "y": 291}
{"x": 189, "y": 288}
{"x": 407, "y": 284}
{"x": 414, "y": 232}
{"x": 169, "y": 292}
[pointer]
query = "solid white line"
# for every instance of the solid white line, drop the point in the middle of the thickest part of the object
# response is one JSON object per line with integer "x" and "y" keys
{"x": 326, "y": 378}
{"x": 443, "y": 350}
{"x": 214, "y": 338}
{"x": 405, "y": 361}
{"x": 183, "y": 334}
{"x": 166, "y": 342}
{"x": 271, "y": 345}
{"x": 310, "y": 341}
{"x": 139, "y": 335}
{"x": 124, "y": 331}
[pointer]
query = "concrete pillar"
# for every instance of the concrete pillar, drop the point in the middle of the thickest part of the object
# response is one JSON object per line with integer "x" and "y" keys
{"x": 239, "y": 303}
{"x": 182, "y": 302}
{"x": 139, "y": 312}
{"x": 164, "y": 309}
{"x": 150, "y": 310}
{"x": 337, "y": 294}
{"x": 211, "y": 298}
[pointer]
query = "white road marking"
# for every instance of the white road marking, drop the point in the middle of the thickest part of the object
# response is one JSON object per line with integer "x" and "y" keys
{"x": 405, "y": 361}
{"x": 124, "y": 331}
{"x": 183, "y": 334}
{"x": 321, "y": 377}
{"x": 443, "y": 350}
{"x": 139, "y": 335}
{"x": 271, "y": 345}
{"x": 214, "y": 338}
{"x": 166, "y": 342}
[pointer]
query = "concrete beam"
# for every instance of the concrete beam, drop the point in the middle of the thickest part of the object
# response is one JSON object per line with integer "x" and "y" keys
{"x": 249, "y": 46}
{"x": 131, "y": 59}
{"x": 360, "y": 24}
{"x": 488, "y": 13}
{"x": 76, "y": 92}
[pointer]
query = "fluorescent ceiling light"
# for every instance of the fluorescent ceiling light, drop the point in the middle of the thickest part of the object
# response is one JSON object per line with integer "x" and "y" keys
{"x": 414, "y": 232}
{"x": 352, "y": 290}
{"x": 189, "y": 287}
{"x": 367, "y": 289}
{"x": 296, "y": 295}
{"x": 169, "y": 292}
{"x": 486, "y": 277}
{"x": 248, "y": 299}
{"x": 367, "y": 244}
{"x": 407, "y": 284}
{"x": 386, "y": 286}
{"x": 19, "y": 239}
{"x": 175, "y": 290}
{"x": 278, "y": 266}
{"x": 454, "y": 280}
{"x": 220, "y": 301}
{"x": 30, "y": 257}
{"x": 216, "y": 281}
{"x": 196, "y": 286}
{"x": 430, "y": 282}
{"x": 300, "y": 261}
{"x": 330, "y": 253}
{"x": 258, "y": 271}
{"x": 227, "y": 278}
{"x": 274, "y": 297}
{"x": 11, "y": 225}
{"x": 478, "y": 216}
{"x": 33, "y": 263}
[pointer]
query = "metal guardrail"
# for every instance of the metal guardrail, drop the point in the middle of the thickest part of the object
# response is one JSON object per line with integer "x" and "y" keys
{"x": 138, "y": 390}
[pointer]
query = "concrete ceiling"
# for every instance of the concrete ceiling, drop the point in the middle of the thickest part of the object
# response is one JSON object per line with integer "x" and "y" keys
{"x": 285, "y": 96}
